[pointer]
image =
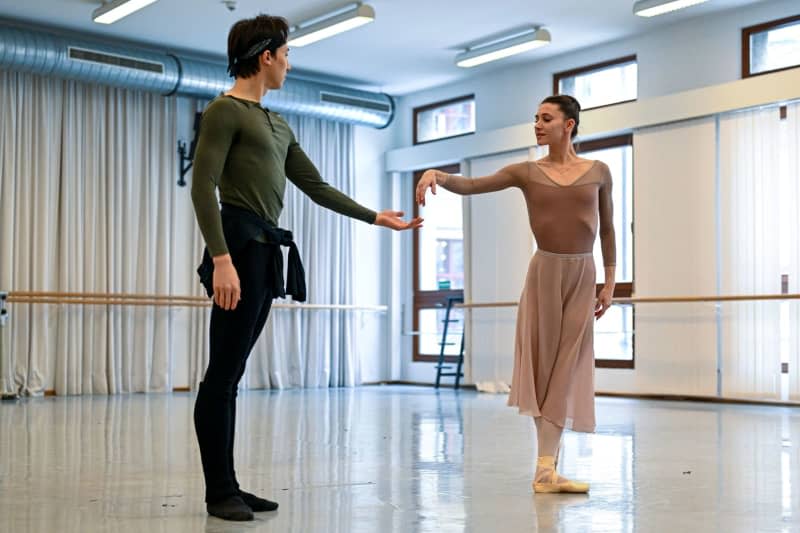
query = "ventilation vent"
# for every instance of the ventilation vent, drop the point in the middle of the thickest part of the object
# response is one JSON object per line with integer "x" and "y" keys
{"x": 71, "y": 56}
{"x": 372, "y": 105}
{"x": 92, "y": 56}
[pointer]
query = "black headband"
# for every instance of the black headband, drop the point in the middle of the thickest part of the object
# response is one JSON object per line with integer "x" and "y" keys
{"x": 253, "y": 51}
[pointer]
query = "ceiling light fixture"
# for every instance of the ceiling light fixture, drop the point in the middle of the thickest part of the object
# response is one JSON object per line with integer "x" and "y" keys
{"x": 652, "y": 8}
{"x": 503, "y": 47}
{"x": 344, "y": 19}
{"x": 110, "y": 12}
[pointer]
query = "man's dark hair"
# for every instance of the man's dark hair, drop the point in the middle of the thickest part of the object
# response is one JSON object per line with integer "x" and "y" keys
{"x": 249, "y": 38}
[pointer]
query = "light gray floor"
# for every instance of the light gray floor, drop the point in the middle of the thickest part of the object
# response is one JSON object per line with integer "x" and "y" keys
{"x": 405, "y": 459}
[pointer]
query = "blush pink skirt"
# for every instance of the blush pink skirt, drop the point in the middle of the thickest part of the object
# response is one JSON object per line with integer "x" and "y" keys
{"x": 554, "y": 349}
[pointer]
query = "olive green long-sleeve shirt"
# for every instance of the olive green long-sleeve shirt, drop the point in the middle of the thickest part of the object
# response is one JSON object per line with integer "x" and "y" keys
{"x": 247, "y": 152}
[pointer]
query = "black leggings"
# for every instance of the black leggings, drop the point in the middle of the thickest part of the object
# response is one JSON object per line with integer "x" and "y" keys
{"x": 232, "y": 336}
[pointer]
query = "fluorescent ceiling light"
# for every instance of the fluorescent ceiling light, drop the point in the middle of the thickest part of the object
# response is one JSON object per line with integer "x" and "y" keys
{"x": 504, "y": 47}
{"x": 110, "y": 12}
{"x": 652, "y": 8}
{"x": 341, "y": 20}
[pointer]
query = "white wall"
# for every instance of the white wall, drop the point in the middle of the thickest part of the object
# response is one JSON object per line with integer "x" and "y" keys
{"x": 372, "y": 254}
{"x": 674, "y": 187}
{"x": 675, "y": 253}
{"x": 692, "y": 54}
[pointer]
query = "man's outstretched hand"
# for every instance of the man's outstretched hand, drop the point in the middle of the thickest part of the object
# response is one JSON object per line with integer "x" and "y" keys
{"x": 393, "y": 220}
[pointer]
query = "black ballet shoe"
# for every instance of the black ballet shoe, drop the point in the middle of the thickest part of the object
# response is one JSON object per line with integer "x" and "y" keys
{"x": 258, "y": 505}
{"x": 231, "y": 508}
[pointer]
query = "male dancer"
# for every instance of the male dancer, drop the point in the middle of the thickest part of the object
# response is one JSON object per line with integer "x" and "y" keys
{"x": 247, "y": 152}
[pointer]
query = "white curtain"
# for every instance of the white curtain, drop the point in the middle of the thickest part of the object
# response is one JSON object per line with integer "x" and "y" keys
{"x": 315, "y": 348}
{"x": 759, "y": 243}
{"x": 790, "y": 160}
{"x": 88, "y": 203}
{"x": 86, "y": 198}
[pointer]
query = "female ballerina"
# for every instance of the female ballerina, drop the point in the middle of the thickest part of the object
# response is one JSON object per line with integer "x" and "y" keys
{"x": 566, "y": 196}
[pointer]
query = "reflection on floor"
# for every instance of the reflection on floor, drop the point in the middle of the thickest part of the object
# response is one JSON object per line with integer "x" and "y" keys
{"x": 405, "y": 459}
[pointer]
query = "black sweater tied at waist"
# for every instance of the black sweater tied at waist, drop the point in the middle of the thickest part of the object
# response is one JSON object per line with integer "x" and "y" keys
{"x": 241, "y": 226}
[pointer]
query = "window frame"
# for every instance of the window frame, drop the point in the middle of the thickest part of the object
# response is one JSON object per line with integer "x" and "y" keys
{"x": 558, "y": 76}
{"x": 443, "y": 103}
{"x": 428, "y": 299}
{"x": 760, "y": 28}
{"x": 622, "y": 289}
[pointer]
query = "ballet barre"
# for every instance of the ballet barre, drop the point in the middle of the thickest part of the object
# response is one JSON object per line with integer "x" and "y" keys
{"x": 657, "y": 299}
{"x": 159, "y": 300}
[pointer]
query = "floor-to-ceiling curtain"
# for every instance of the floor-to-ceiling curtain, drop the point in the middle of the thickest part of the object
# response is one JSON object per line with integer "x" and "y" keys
{"x": 89, "y": 203}
{"x": 315, "y": 348}
{"x": 790, "y": 333}
{"x": 759, "y": 241}
{"x": 85, "y": 193}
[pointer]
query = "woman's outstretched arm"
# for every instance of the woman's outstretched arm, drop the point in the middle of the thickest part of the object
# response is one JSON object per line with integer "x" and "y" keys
{"x": 509, "y": 176}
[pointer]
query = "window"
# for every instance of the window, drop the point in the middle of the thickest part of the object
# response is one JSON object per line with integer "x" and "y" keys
{"x": 771, "y": 46}
{"x": 614, "y": 333}
{"x": 443, "y": 120}
{"x": 438, "y": 273}
{"x": 602, "y": 84}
